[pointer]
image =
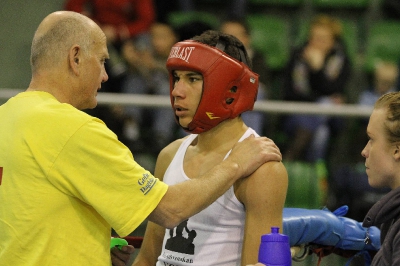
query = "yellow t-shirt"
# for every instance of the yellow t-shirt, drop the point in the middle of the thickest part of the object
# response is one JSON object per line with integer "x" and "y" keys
{"x": 66, "y": 180}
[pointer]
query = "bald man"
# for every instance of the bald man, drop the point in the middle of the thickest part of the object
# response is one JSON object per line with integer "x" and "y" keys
{"x": 66, "y": 180}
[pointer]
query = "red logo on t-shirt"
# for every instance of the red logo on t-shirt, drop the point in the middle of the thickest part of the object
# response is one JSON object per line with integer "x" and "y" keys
{"x": 1, "y": 174}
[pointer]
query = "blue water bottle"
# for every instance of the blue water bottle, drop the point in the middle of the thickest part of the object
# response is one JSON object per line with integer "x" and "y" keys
{"x": 275, "y": 249}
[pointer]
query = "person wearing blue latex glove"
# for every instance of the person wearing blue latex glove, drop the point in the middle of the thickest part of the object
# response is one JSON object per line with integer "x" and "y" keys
{"x": 382, "y": 162}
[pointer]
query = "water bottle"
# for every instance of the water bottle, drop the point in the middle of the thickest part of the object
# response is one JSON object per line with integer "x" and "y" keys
{"x": 275, "y": 249}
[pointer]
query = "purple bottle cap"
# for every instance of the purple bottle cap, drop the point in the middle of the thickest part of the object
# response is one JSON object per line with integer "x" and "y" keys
{"x": 274, "y": 236}
{"x": 275, "y": 249}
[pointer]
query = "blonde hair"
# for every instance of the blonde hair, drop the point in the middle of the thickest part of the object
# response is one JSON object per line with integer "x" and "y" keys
{"x": 333, "y": 24}
{"x": 391, "y": 102}
{"x": 387, "y": 69}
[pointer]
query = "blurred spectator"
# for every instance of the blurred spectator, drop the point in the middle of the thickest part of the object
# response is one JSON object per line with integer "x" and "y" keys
{"x": 240, "y": 29}
{"x": 148, "y": 75}
{"x": 317, "y": 72}
{"x": 120, "y": 20}
{"x": 385, "y": 80}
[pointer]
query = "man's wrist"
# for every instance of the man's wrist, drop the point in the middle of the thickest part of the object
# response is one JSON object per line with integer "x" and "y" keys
{"x": 233, "y": 169}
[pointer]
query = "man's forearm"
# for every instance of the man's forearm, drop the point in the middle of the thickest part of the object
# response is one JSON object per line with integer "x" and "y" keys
{"x": 185, "y": 199}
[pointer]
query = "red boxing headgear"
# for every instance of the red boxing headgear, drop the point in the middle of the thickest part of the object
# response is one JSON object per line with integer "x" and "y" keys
{"x": 229, "y": 86}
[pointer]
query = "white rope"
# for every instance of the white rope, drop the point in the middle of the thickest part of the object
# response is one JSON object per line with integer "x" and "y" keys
{"x": 280, "y": 107}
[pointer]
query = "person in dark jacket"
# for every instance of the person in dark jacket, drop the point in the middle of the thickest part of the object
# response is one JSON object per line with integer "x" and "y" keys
{"x": 318, "y": 72}
{"x": 382, "y": 162}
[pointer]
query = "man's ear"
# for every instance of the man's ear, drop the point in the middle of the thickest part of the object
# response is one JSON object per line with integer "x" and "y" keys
{"x": 74, "y": 58}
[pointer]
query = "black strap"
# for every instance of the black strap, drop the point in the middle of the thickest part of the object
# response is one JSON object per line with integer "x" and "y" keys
{"x": 221, "y": 44}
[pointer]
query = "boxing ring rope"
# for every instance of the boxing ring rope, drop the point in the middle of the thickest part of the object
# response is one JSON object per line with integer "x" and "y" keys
{"x": 267, "y": 106}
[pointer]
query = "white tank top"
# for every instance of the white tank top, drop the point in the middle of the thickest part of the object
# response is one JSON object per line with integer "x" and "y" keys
{"x": 214, "y": 236}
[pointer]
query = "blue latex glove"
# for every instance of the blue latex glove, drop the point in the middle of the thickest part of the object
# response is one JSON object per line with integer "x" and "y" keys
{"x": 355, "y": 236}
{"x": 323, "y": 227}
{"x": 304, "y": 226}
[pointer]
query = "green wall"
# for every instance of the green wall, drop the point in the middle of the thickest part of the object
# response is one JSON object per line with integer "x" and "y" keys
{"x": 19, "y": 20}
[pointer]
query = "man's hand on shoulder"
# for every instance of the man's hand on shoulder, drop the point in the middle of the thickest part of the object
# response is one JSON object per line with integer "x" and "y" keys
{"x": 252, "y": 152}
